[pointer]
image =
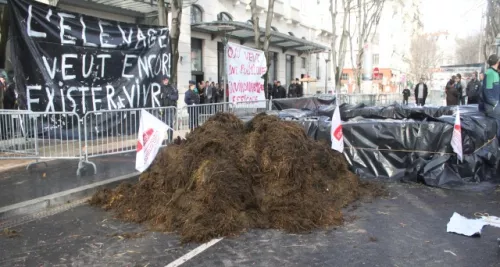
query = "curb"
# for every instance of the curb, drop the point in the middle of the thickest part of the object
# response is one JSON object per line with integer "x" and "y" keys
{"x": 65, "y": 197}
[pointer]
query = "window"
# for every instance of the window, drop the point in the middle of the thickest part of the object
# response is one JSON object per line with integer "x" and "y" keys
{"x": 375, "y": 59}
{"x": 196, "y": 14}
{"x": 274, "y": 29}
{"x": 318, "y": 70}
{"x": 303, "y": 62}
{"x": 290, "y": 68}
{"x": 273, "y": 68}
{"x": 376, "y": 39}
{"x": 196, "y": 55}
{"x": 250, "y": 22}
{"x": 344, "y": 77}
{"x": 291, "y": 34}
{"x": 223, "y": 16}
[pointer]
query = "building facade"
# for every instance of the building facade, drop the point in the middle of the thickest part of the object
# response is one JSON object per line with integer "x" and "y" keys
{"x": 390, "y": 47}
{"x": 301, "y": 36}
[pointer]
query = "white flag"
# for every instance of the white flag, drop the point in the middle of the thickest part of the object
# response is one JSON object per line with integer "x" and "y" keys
{"x": 152, "y": 131}
{"x": 456, "y": 139}
{"x": 336, "y": 131}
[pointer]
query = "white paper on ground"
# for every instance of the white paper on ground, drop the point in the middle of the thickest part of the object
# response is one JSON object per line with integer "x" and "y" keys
{"x": 460, "y": 225}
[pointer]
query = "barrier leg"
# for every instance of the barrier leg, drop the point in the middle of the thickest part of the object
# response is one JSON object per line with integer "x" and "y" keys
{"x": 83, "y": 167}
{"x": 28, "y": 168}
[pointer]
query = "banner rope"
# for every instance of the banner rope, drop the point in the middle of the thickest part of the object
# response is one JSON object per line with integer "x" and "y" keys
{"x": 420, "y": 151}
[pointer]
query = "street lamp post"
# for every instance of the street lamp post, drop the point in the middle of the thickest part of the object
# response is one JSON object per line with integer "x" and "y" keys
{"x": 327, "y": 61}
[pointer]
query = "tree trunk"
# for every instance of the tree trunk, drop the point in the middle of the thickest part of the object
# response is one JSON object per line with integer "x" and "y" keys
{"x": 162, "y": 18}
{"x": 343, "y": 43}
{"x": 256, "y": 23}
{"x": 333, "y": 48}
{"x": 264, "y": 46}
{"x": 175, "y": 32}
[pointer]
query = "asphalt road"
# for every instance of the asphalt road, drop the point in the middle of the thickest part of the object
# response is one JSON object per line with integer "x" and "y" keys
{"x": 17, "y": 185}
{"x": 407, "y": 228}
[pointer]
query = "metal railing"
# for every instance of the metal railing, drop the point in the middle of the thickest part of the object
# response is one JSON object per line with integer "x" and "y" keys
{"x": 115, "y": 131}
{"x": 371, "y": 99}
{"x": 191, "y": 117}
{"x": 252, "y": 107}
{"x": 39, "y": 135}
{"x": 44, "y": 136}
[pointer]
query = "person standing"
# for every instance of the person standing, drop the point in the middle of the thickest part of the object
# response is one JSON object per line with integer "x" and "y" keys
{"x": 300, "y": 88}
{"x": 169, "y": 97}
{"x": 9, "y": 102}
{"x": 201, "y": 92}
{"x": 280, "y": 91}
{"x": 421, "y": 93}
{"x": 491, "y": 92}
{"x": 192, "y": 99}
{"x": 406, "y": 95}
{"x": 452, "y": 95}
{"x": 292, "y": 90}
{"x": 461, "y": 88}
{"x": 473, "y": 89}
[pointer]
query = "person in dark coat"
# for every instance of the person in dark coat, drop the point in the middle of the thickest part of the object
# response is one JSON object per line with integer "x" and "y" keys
{"x": 280, "y": 91}
{"x": 292, "y": 90}
{"x": 473, "y": 89}
{"x": 300, "y": 88}
{"x": 461, "y": 88}
{"x": 406, "y": 95}
{"x": 452, "y": 94}
{"x": 192, "y": 100}
{"x": 9, "y": 94}
{"x": 169, "y": 97}
{"x": 421, "y": 93}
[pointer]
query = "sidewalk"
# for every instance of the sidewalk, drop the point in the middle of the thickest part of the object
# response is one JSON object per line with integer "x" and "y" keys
{"x": 18, "y": 184}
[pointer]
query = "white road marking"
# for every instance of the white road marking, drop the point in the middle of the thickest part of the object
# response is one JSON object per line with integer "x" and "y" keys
{"x": 191, "y": 254}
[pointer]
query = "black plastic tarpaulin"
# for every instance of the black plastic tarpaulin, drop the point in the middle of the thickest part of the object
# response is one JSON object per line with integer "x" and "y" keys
{"x": 401, "y": 143}
{"x": 419, "y": 151}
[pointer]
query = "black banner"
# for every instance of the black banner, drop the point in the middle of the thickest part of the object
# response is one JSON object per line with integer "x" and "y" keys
{"x": 65, "y": 61}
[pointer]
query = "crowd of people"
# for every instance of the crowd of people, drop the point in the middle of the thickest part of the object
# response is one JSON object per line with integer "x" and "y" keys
{"x": 457, "y": 90}
{"x": 276, "y": 90}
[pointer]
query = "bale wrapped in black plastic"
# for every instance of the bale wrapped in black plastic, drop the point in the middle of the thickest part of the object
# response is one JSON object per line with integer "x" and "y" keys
{"x": 310, "y": 103}
{"x": 420, "y": 151}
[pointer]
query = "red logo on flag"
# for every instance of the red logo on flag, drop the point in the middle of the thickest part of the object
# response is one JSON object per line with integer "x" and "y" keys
{"x": 337, "y": 133}
{"x": 145, "y": 138}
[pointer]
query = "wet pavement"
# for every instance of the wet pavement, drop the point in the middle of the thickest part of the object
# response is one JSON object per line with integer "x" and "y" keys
{"x": 407, "y": 228}
{"x": 18, "y": 184}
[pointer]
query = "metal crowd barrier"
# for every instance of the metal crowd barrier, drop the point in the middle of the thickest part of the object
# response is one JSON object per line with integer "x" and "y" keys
{"x": 43, "y": 136}
{"x": 114, "y": 132}
{"x": 39, "y": 135}
{"x": 252, "y": 107}
{"x": 191, "y": 117}
{"x": 371, "y": 99}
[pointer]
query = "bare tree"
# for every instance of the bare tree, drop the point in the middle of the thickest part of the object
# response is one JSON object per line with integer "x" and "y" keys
{"x": 263, "y": 44}
{"x": 175, "y": 32}
{"x": 339, "y": 53}
{"x": 492, "y": 27}
{"x": 468, "y": 49}
{"x": 425, "y": 56}
{"x": 369, "y": 13}
{"x": 162, "y": 13}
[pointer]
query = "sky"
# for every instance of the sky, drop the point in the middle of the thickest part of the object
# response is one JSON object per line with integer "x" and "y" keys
{"x": 458, "y": 17}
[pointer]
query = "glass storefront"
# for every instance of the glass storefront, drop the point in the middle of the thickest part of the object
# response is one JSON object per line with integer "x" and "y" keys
{"x": 196, "y": 55}
{"x": 290, "y": 67}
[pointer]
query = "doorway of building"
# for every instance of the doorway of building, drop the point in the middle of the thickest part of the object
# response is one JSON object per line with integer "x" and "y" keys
{"x": 197, "y": 77}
